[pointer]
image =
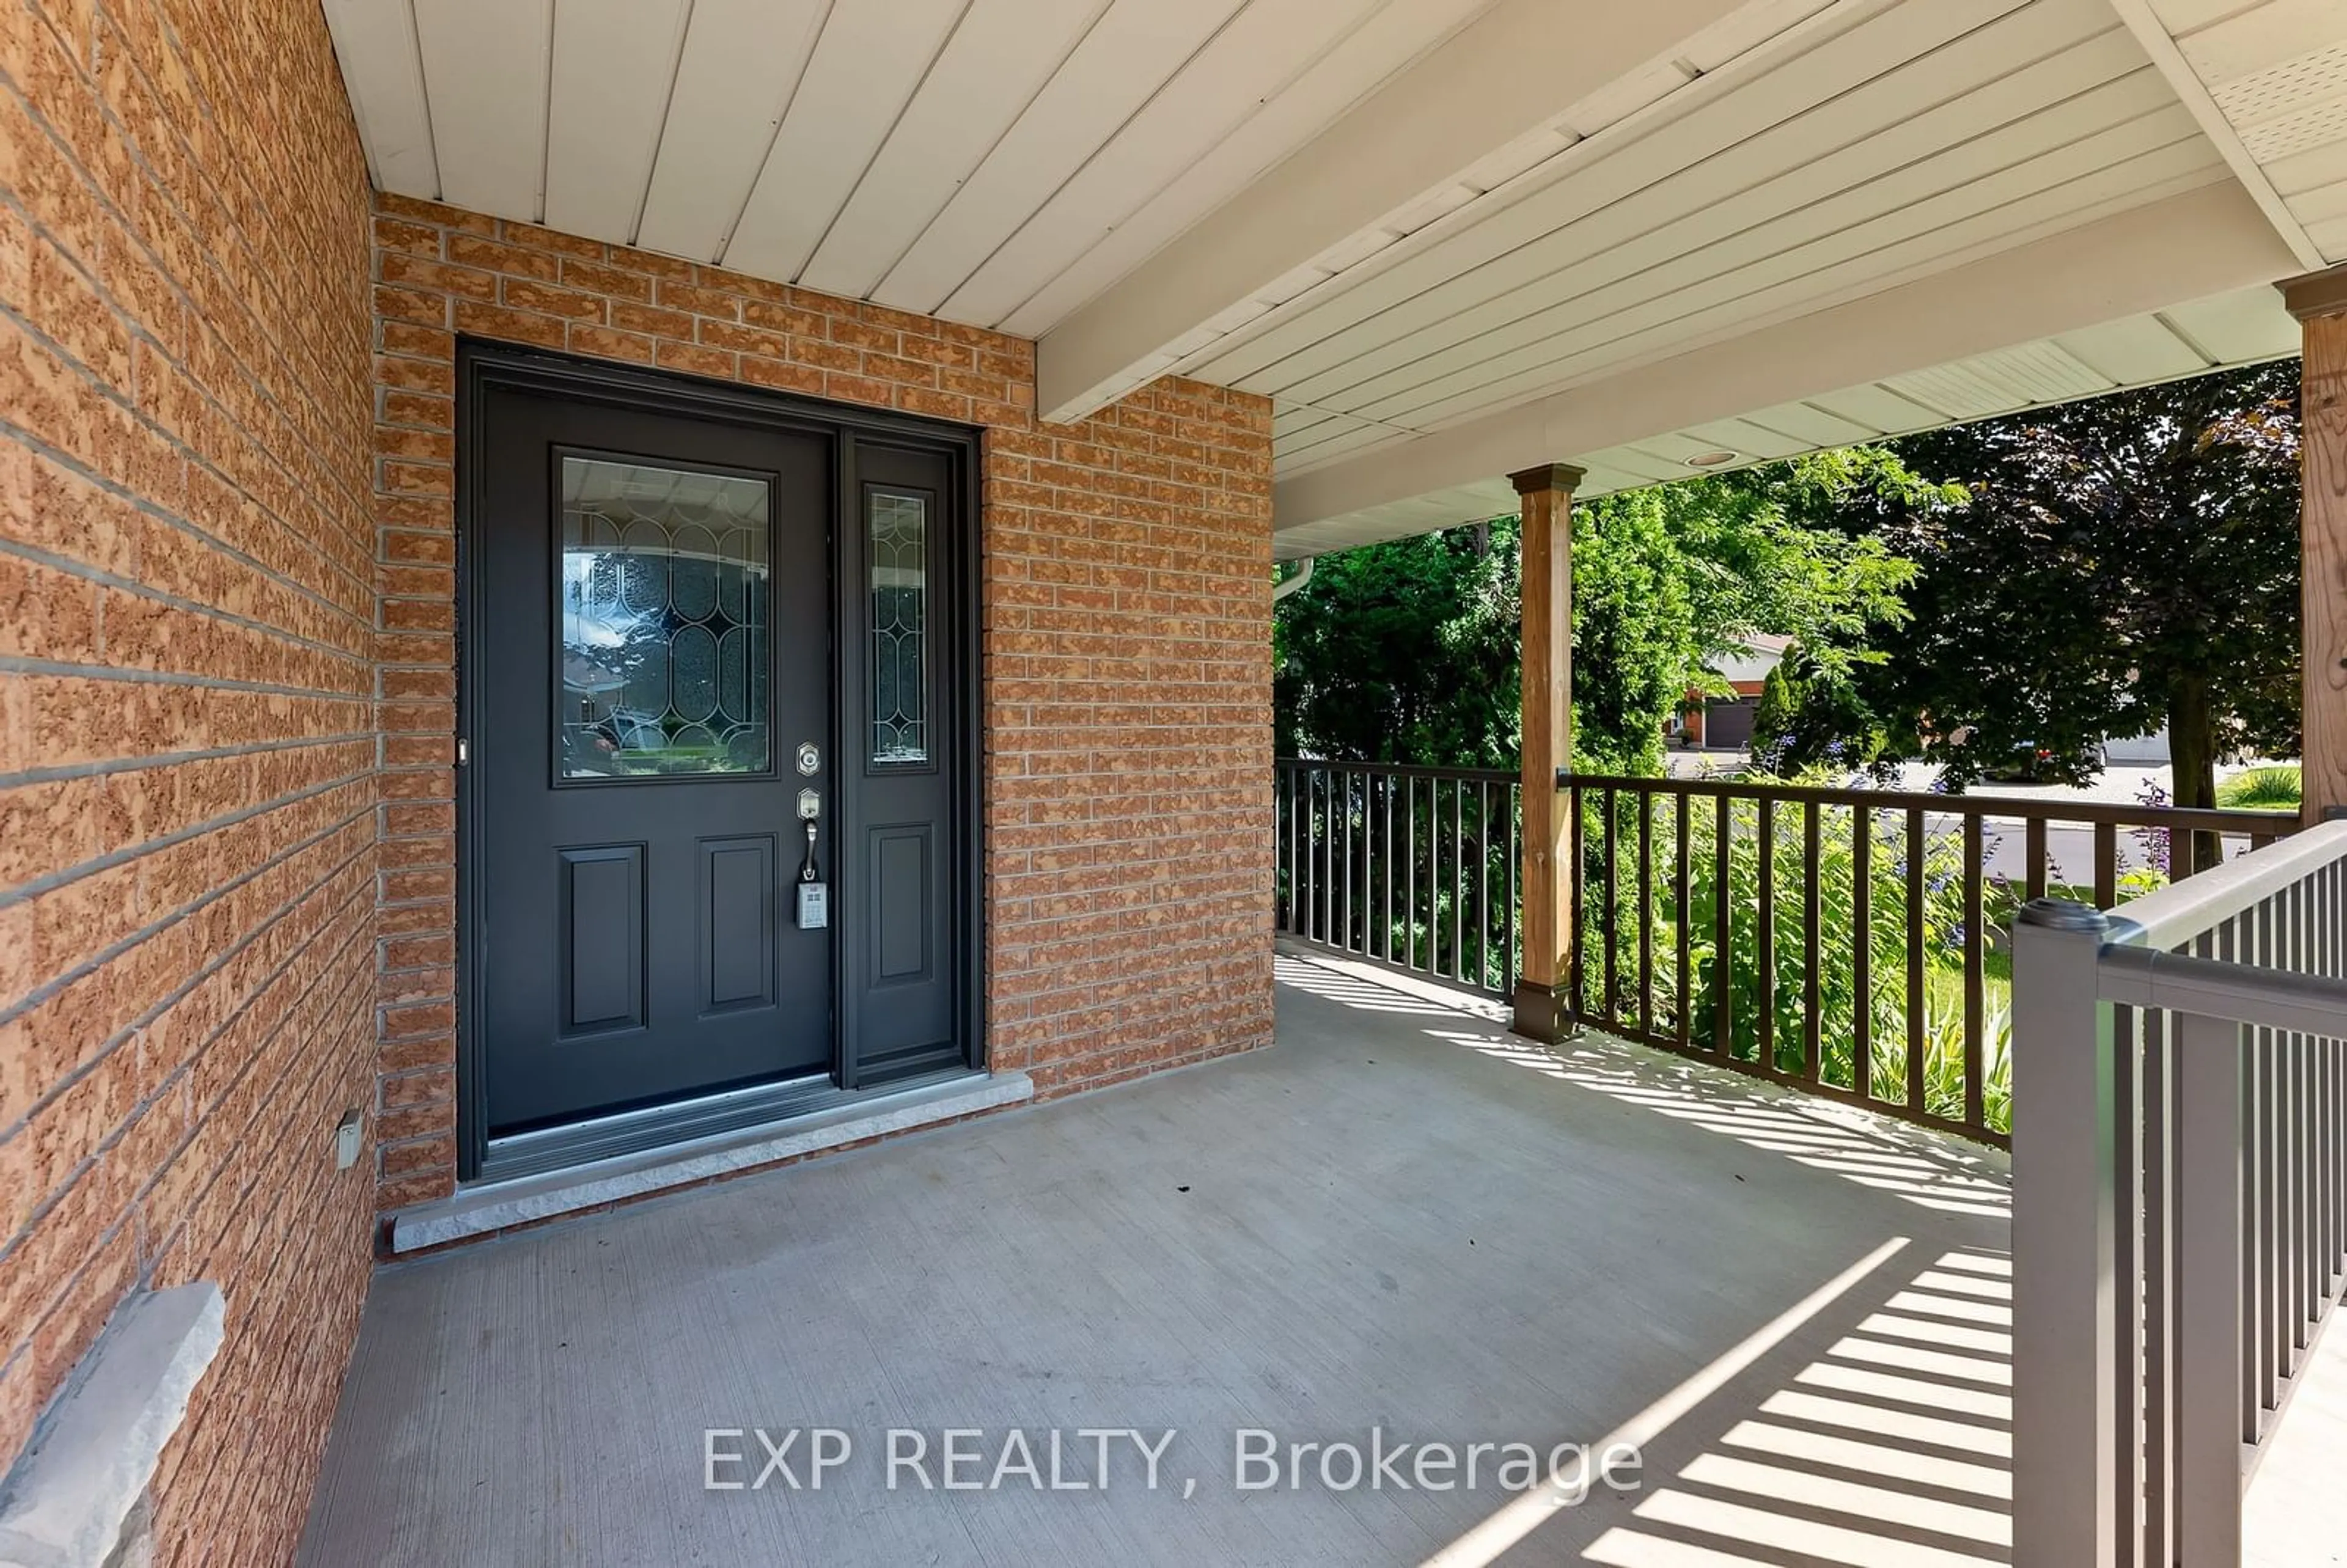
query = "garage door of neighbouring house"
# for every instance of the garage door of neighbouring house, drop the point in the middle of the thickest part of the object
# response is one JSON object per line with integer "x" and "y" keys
{"x": 1728, "y": 726}
{"x": 693, "y": 682}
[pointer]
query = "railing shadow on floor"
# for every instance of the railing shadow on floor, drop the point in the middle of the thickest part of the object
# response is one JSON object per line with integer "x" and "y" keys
{"x": 1868, "y": 1424}
{"x": 1846, "y": 941}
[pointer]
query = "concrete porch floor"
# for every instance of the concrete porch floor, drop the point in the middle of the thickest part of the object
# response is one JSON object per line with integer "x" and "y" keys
{"x": 1398, "y": 1217}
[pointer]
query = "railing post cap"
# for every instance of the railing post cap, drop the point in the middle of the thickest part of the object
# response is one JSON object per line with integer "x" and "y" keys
{"x": 2062, "y": 915}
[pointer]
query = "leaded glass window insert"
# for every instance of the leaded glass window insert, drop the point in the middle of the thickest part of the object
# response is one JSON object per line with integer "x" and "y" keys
{"x": 664, "y": 622}
{"x": 896, "y": 544}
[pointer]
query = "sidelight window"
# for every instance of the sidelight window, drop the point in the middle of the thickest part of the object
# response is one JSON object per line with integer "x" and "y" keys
{"x": 896, "y": 542}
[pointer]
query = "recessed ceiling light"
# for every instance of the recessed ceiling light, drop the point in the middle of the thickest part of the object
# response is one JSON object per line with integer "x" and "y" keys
{"x": 1711, "y": 459}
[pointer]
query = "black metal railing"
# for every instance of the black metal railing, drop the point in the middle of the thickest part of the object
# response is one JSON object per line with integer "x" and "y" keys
{"x": 1406, "y": 866}
{"x": 1850, "y": 941}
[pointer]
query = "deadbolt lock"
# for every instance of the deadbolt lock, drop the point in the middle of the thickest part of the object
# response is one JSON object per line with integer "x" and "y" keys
{"x": 810, "y": 759}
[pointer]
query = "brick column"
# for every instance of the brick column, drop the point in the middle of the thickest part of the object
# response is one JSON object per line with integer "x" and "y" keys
{"x": 2319, "y": 301}
{"x": 1546, "y": 938}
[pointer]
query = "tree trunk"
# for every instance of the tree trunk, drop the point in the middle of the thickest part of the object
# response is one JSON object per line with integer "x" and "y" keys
{"x": 2192, "y": 756}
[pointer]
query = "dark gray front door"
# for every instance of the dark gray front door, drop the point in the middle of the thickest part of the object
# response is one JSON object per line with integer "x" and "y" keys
{"x": 654, "y": 644}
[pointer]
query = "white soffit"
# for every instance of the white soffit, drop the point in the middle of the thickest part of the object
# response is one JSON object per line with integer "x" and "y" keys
{"x": 1867, "y": 146}
{"x": 992, "y": 161}
{"x": 2244, "y": 326}
{"x": 2268, "y": 79}
{"x": 1439, "y": 146}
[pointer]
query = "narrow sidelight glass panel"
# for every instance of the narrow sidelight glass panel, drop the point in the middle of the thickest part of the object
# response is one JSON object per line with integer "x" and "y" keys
{"x": 663, "y": 622}
{"x": 897, "y": 544}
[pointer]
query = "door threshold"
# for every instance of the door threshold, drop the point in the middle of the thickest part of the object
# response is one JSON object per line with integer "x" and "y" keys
{"x": 483, "y": 1207}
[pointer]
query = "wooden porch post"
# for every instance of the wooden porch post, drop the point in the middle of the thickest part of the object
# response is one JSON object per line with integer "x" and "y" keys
{"x": 1541, "y": 1009}
{"x": 2320, "y": 303}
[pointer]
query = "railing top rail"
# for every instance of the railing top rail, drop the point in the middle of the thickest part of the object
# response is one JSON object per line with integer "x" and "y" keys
{"x": 2188, "y": 819}
{"x": 2169, "y": 917}
{"x": 1402, "y": 770}
{"x": 2282, "y": 1000}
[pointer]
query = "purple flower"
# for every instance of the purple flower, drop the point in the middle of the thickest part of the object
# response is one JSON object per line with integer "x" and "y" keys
{"x": 2155, "y": 840}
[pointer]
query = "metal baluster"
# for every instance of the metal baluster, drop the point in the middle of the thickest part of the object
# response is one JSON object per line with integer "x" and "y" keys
{"x": 2157, "y": 1239}
{"x": 1918, "y": 857}
{"x": 1386, "y": 893}
{"x": 1329, "y": 857}
{"x": 1344, "y": 928}
{"x": 1609, "y": 916}
{"x": 1766, "y": 931}
{"x": 1861, "y": 938}
{"x": 1511, "y": 965}
{"x": 1723, "y": 1001}
{"x": 1682, "y": 984}
{"x": 1577, "y": 951}
{"x": 1410, "y": 917}
{"x": 2273, "y": 1333}
{"x": 1975, "y": 987}
{"x": 1458, "y": 880}
{"x": 1646, "y": 911}
{"x": 1483, "y": 885}
{"x": 1812, "y": 917}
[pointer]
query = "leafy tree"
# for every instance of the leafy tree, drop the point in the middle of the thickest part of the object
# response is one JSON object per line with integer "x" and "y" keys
{"x": 1772, "y": 715}
{"x": 1635, "y": 644}
{"x": 1403, "y": 652}
{"x": 2111, "y": 566}
{"x": 1817, "y": 719}
{"x": 1406, "y": 651}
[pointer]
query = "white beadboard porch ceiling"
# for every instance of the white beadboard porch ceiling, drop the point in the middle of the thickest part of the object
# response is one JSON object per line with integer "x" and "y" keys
{"x": 1861, "y": 148}
{"x": 1448, "y": 237}
{"x": 2268, "y": 79}
{"x": 1878, "y": 143}
{"x": 990, "y": 161}
{"x": 2239, "y": 327}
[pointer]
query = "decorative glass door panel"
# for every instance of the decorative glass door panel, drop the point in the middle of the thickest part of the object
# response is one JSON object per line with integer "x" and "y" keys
{"x": 664, "y": 622}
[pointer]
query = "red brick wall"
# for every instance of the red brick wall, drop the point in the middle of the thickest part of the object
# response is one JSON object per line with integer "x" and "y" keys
{"x": 1127, "y": 796}
{"x": 186, "y": 761}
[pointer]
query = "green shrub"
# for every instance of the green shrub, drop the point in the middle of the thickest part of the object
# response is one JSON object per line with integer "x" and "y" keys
{"x": 2276, "y": 787}
{"x": 1781, "y": 996}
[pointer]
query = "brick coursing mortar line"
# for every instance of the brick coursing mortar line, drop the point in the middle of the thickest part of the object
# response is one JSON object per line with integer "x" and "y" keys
{"x": 157, "y": 186}
{"x": 243, "y": 423}
{"x": 65, "y": 565}
{"x": 350, "y": 994}
{"x": 131, "y": 498}
{"x": 131, "y": 675}
{"x": 130, "y": 853}
{"x": 218, "y": 961}
{"x": 115, "y": 767}
{"x": 154, "y": 1249}
{"x": 99, "y": 382}
{"x": 135, "y": 1213}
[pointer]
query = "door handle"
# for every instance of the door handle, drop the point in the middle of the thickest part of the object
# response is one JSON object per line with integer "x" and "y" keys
{"x": 814, "y": 897}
